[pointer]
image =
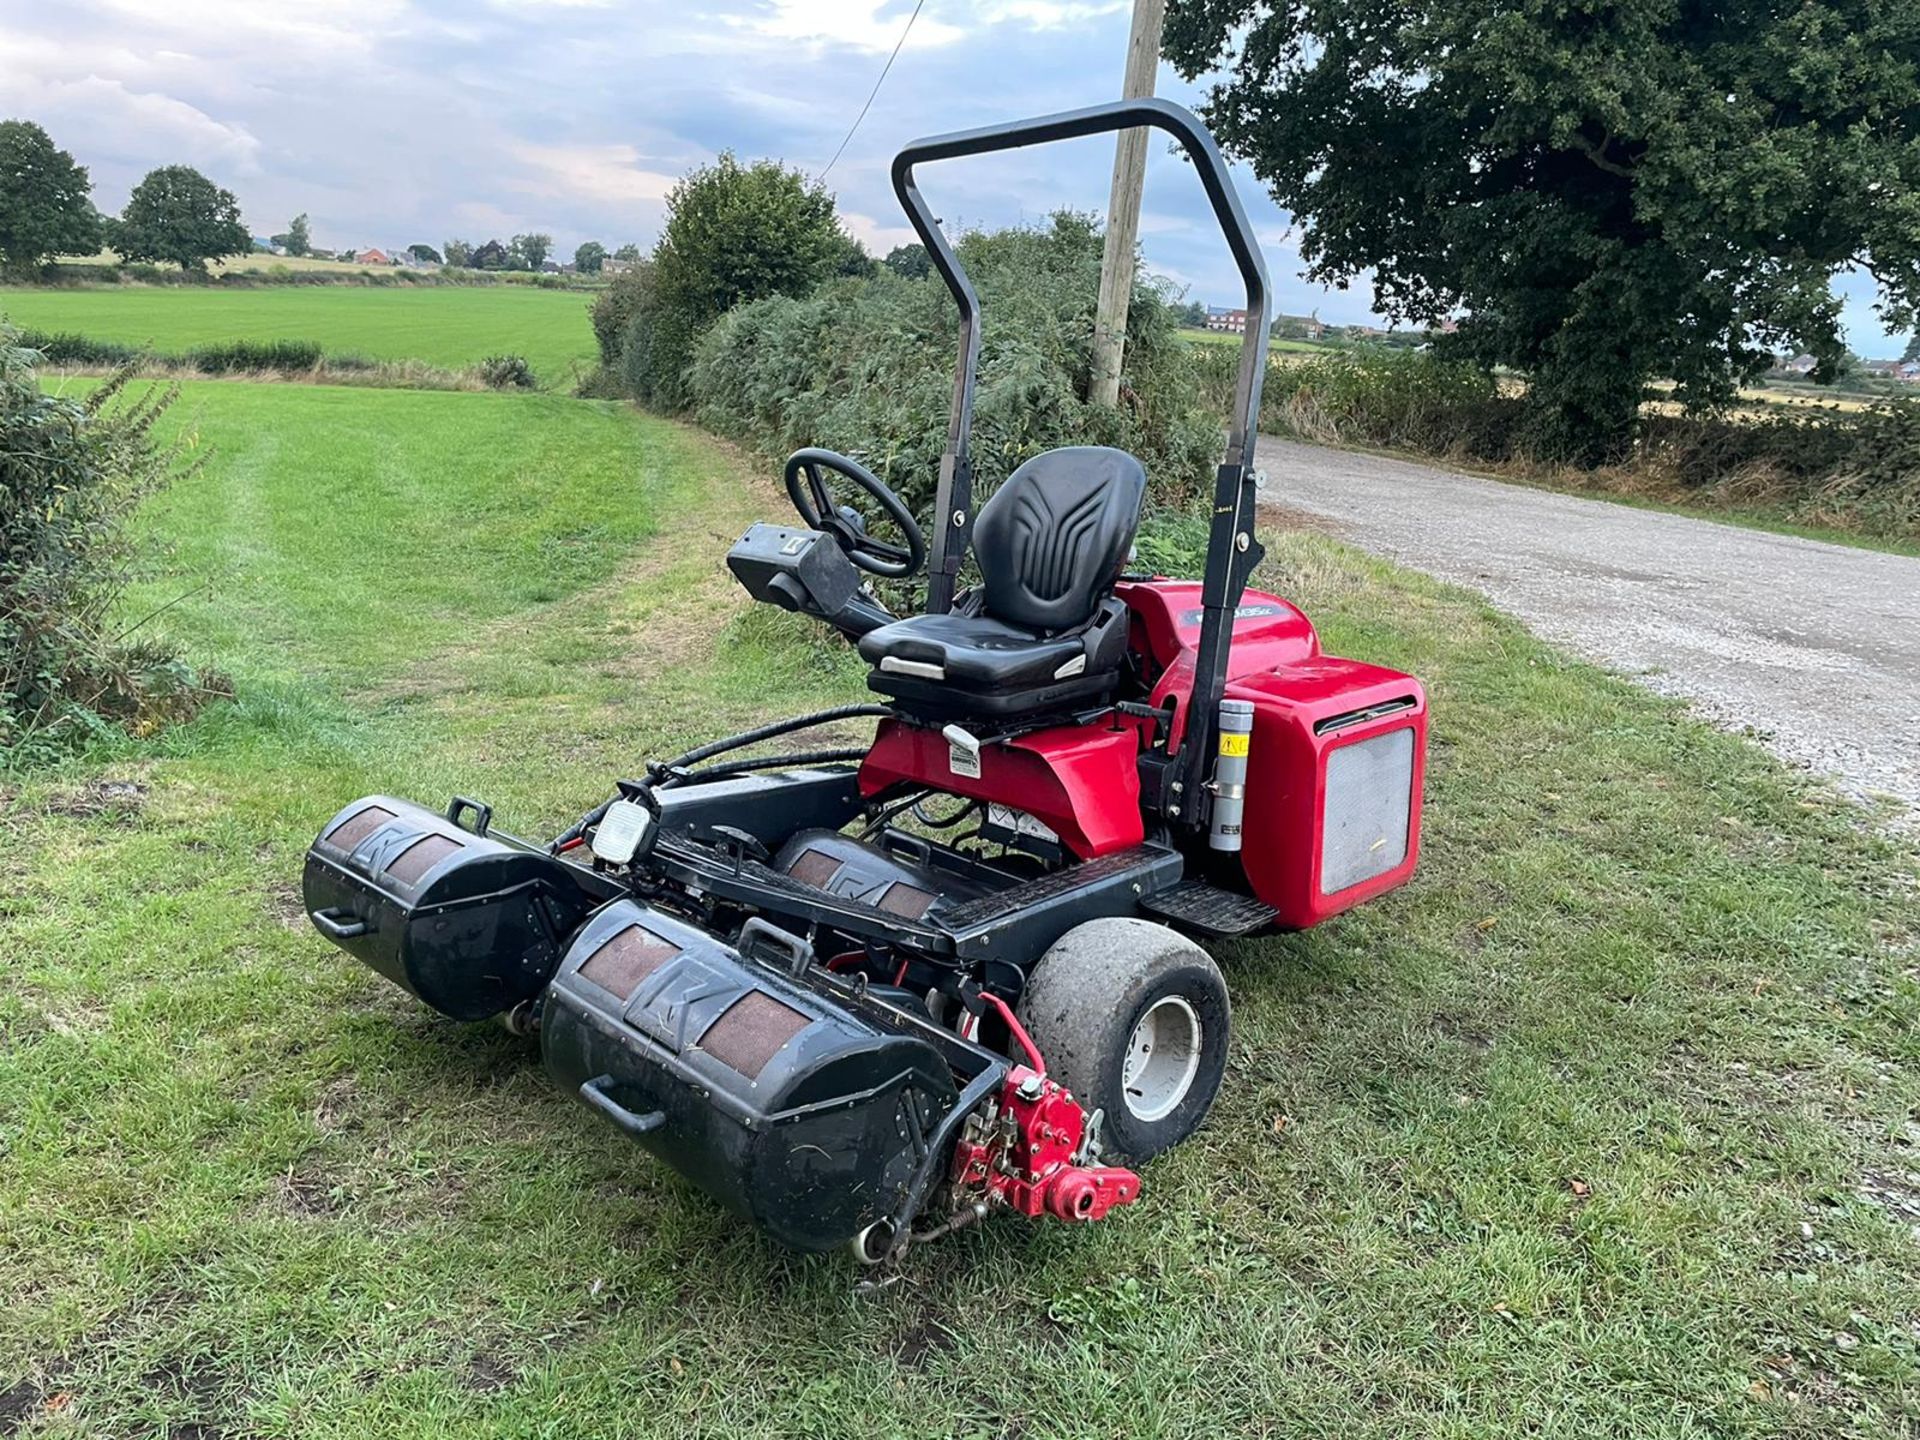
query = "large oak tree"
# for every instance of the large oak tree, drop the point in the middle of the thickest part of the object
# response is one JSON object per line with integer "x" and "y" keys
{"x": 45, "y": 209}
{"x": 177, "y": 214}
{"x": 1610, "y": 192}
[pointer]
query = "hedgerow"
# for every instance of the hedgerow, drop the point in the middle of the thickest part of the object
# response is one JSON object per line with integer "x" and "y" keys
{"x": 866, "y": 366}
{"x": 71, "y": 474}
{"x": 1853, "y": 469}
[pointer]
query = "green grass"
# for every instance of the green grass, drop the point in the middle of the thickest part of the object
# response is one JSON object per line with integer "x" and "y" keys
{"x": 450, "y": 326}
{"x": 1277, "y": 345}
{"x": 1604, "y": 1127}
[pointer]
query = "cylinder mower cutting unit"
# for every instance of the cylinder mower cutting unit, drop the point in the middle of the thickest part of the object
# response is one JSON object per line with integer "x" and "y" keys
{"x": 867, "y": 996}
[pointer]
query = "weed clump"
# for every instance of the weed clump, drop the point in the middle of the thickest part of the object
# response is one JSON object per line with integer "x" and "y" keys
{"x": 71, "y": 474}
{"x": 507, "y": 372}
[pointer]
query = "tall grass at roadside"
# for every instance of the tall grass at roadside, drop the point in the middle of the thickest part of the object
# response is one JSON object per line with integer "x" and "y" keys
{"x": 1856, "y": 470}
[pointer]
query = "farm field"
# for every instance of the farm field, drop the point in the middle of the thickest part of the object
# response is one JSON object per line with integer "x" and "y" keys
{"x": 1603, "y": 1127}
{"x": 257, "y": 263}
{"x": 1275, "y": 344}
{"x": 449, "y": 326}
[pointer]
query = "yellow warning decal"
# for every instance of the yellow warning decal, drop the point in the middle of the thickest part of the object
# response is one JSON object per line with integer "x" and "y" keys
{"x": 1234, "y": 744}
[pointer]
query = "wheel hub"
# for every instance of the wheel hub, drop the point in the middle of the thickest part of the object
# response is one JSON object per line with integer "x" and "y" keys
{"x": 1162, "y": 1058}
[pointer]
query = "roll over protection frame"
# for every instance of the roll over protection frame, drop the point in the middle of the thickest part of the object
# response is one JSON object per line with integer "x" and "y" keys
{"x": 1232, "y": 548}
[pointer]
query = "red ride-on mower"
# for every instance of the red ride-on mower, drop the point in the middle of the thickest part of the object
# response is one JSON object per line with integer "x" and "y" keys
{"x": 867, "y": 996}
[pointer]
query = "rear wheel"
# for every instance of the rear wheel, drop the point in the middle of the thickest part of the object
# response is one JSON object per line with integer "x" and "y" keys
{"x": 1133, "y": 1019}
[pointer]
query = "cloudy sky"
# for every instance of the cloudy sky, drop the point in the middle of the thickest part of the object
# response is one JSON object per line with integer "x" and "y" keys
{"x": 395, "y": 121}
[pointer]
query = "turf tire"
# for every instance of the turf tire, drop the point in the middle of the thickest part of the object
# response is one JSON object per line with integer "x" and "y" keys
{"x": 1083, "y": 1002}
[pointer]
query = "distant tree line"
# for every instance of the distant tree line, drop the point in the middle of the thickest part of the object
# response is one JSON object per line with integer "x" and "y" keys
{"x": 46, "y": 210}
{"x": 178, "y": 215}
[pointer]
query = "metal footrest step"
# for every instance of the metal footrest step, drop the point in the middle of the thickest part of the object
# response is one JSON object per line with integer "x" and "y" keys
{"x": 1200, "y": 906}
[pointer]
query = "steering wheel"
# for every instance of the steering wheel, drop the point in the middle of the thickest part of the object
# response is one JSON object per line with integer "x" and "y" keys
{"x": 815, "y": 503}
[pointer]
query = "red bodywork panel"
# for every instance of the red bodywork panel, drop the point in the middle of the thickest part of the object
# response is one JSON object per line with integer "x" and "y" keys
{"x": 1083, "y": 781}
{"x": 1268, "y": 633}
{"x": 1281, "y": 833}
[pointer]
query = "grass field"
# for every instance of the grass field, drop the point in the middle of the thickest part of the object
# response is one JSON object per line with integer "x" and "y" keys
{"x": 1602, "y": 1128}
{"x": 1275, "y": 344}
{"x": 450, "y": 326}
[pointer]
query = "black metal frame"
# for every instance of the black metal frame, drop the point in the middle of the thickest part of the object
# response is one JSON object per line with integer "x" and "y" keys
{"x": 1232, "y": 549}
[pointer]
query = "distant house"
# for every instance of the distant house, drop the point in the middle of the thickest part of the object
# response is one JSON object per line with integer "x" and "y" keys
{"x": 611, "y": 267}
{"x": 1232, "y": 322}
{"x": 1801, "y": 365}
{"x": 1909, "y": 371}
{"x": 373, "y": 257}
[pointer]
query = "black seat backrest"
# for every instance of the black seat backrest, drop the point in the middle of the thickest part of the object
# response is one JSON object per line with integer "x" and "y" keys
{"x": 1053, "y": 537}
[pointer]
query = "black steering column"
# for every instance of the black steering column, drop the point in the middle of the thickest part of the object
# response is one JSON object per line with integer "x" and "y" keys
{"x": 816, "y": 570}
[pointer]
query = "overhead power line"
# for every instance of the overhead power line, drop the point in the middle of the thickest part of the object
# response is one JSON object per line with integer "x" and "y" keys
{"x": 876, "y": 88}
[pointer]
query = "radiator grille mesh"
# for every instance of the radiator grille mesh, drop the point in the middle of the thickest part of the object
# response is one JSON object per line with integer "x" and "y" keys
{"x": 1363, "y": 831}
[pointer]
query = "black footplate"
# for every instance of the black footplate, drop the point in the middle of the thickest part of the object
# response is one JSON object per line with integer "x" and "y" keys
{"x": 1200, "y": 906}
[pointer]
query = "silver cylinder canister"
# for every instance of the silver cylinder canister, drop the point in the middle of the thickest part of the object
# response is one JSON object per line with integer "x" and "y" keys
{"x": 1230, "y": 774}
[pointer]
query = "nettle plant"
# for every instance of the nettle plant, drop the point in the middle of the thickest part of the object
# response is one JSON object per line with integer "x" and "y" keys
{"x": 72, "y": 473}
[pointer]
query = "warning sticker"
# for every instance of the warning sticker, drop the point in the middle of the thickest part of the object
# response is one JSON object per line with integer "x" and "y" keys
{"x": 963, "y": 762}
{"x": 1018, "y": 822}
{"x": 1234, "y": 744}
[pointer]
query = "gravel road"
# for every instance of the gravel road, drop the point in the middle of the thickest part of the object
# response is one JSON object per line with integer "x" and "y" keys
{"x": 1814, "y": 646}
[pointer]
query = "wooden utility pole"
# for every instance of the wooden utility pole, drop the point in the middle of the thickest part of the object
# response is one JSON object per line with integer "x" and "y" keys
{"x": 1123, "y": 207}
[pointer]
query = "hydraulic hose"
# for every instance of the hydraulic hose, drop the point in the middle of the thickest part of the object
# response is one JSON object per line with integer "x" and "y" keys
{"x": 659, "y": 774}
{"x": 765, "y": 762}
{"x": 768, "y": 732}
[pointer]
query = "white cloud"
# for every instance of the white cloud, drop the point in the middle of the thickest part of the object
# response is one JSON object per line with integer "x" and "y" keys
{"x": 96, "y": 113}
{"x": 335, "y": 25}
{"x": 877, "y": 24}
{"x": 878, "y": 238}
{"x": 864, "y": 24}
{"x": 1050, "y": 14}
{"x": 604, "y": 174}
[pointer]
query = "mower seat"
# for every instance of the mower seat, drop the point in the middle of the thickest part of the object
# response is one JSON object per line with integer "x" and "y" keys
{"x": 1042, "y": 631}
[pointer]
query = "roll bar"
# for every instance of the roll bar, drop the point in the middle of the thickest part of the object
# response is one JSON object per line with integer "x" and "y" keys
{"x": 1175, "y": 787}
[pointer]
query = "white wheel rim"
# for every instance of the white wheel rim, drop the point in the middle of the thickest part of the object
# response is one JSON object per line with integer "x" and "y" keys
{"x": 1162, "y": 1058}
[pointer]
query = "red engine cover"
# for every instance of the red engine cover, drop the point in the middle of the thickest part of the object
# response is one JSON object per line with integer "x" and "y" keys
{"x": 1323, "y": 829}
{"x": 1083, "y": 781}
{"x": 1304, "y": 716}
{"x": 1304, "y": 708}
{"x": 1267, "y": 632}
